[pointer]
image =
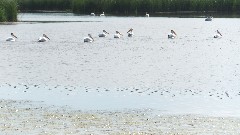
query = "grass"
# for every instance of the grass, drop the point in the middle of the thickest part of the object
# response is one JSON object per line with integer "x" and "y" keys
{"x": 8, "y": 11}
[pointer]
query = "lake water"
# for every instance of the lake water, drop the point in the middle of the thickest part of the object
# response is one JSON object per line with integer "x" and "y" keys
{"x": 193, "y": 73}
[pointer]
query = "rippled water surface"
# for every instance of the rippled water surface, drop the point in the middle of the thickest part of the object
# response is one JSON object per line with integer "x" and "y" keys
{"x": 193, "y": 73}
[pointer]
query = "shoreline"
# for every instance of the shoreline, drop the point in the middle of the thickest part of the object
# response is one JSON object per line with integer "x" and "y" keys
{"x": 26, "y": 117}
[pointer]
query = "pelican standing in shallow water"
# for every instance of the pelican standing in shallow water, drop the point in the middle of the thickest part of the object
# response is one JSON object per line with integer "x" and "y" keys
{"x": 104, "y": 34}
{"x": 92, "y": 14}
{"x": 102, "y": 14}
{"x": 172, "y": 35}
{"x": 147, "y": 15}
{"x": 12, "y": 38}
{"x": 88, "y": 39}
{"x": 44, "y": 38}
{"x": 117, "y": 35}
{"x": 130, "y": 33}
{"x": 218, "y": 35}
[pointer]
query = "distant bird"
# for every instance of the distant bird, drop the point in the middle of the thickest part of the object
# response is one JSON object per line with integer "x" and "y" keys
{"x": 209, "y": 18}
{"x": 12, "y": 38}
{"x": 130, "y": 32}
{"x": 104, "y": 34}
{"x": 147, "y": 15}
{"x": 89, "y": 38}
{"x": 44, "y": 38}
{"x": 172, "y": 35}
{"x": 102, "y": 14}
{"x": 117, "y": 35}
{"x": 92, "y": 14}
{"x": 218, "y": 35}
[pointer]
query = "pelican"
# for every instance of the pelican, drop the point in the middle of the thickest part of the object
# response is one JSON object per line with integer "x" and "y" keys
{"x": 89, "y": 38}
{"x": 92, "y": 14}
{"x": 12, "y": 38}
{"x": 172, "y": 35}
{"x": 102, "y": 14}
{"x": 117, "y": 35}
{"x": 147, "y": 15}
{"x": 130, "y": 33}
{"x": 218, "y": 35}
{"x": 44, "y": 38}
{"x": 104, "y": 34}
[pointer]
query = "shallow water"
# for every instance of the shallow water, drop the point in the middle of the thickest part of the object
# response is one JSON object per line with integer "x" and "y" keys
{"x": 193, "y": 73}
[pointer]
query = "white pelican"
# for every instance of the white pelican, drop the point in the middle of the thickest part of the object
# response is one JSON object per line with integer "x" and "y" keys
{"x": 147, "y": 15}
{"x": 92, "y": 14}
{"x": 117, "y": 35}
{"x": 12, "y": 38}
{"x": 89, "y": 38}
{"x": 218, "y": 35}
{"x": 102, "y": 14}
{"x": 172, "y": 35}
{"x": 130, "y": 33}
{"x": 44, "y": 38}
{"x": 104, "y": 34}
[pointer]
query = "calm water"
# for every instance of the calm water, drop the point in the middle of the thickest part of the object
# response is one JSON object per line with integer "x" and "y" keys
{"x": 191, "y": 74}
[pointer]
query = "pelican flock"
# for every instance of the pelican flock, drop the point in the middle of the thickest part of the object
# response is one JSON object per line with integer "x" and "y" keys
{"x": 44, "y": 38}
{"x": 172, "y": 35}
{"x": 104, "y": 34}
{"x": 218, "y": 35}
{"x": 12, "y": 38}
{"x": 130, "y": 33}
{"x": 117, "y": 35}
{"x": 88, "y": 39}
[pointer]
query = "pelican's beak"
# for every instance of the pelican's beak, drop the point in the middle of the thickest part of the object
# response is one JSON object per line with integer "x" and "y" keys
{"x": 174, "y": 33}
{"x": 219, "y": 33}
{"x": 92, "y": 38}
{"x": 47, "y": 37}
{"x": 130, "y": 30}
{"x": 15, "y": 36}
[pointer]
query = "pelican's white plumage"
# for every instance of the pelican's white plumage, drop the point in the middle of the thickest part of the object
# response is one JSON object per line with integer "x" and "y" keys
{"x": 117, "y": 35}
{"x": 218, "y": 35}
{"x": 102, "y": 14}
{"x": 44, "y": 38}
{"x": 92, "y": 14}
{"x": 172, "y": 35}
{"x": 130, "y": 33}
{"x": 12, "y": 38}
{"x": 147, "y": 15}
{"x": 104, "y": 34}
{"x": 88, "y": 39}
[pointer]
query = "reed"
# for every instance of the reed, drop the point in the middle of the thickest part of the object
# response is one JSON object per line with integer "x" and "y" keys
{"x": 127, "y": 7}
{"x": 8, "y": 10}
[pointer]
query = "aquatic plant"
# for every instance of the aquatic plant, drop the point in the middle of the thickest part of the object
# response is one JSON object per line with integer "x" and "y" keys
{"x": 8, "y": 10}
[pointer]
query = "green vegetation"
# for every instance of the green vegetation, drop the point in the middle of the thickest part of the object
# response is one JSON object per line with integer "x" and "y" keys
{"x": 31, "y": 5}
{"x": 8, "y": 10}
{"x": 126, "y": 7}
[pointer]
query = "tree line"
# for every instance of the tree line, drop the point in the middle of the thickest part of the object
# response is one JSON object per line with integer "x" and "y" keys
{"x": 126, "y": 7}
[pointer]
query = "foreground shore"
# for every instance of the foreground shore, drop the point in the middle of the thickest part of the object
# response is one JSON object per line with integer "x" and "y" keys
{"x": 26, "y": 117}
